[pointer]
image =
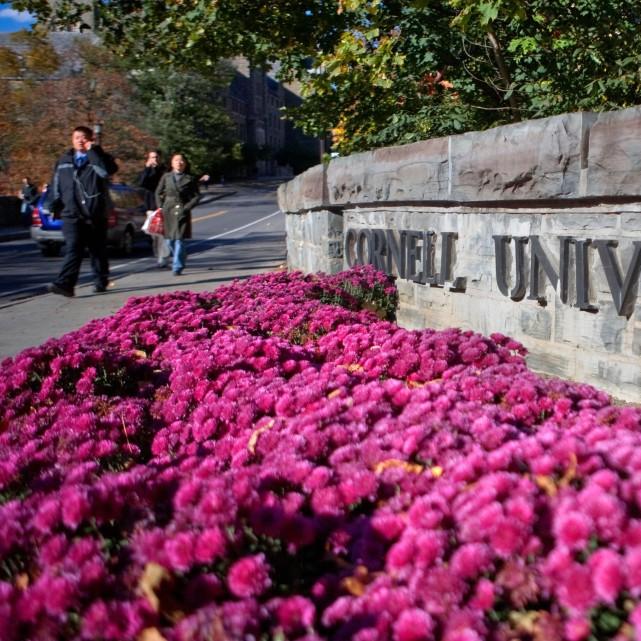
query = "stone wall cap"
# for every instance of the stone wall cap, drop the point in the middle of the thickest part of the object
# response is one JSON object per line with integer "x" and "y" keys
{"x": 568, "y": 157}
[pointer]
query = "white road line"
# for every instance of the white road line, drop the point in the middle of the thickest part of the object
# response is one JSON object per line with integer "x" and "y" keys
{"x": 231, "y": 231}
{"x": 147, "y": 258}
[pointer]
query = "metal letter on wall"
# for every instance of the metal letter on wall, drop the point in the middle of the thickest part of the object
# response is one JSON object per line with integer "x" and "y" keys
{"x": 396, "y": 253}
{"x": 624, "y": 291}
{"x": 500, "y": 259}
{"x": 350, "y": 241}
{"x": 500, "y": 247}
{"x": 428, "y": 277}
{"x": 363, "y": 234}
{"x": 447, "y": 255}
{"x": 413, "y": 256}
{"x": 379, "y": 249}
{"x": 538, "y": 259}
{"x": 564, "y": 267}
{"x": 583, "y": 275}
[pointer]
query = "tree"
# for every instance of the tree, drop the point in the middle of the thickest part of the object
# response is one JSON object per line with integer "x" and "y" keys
{"x": 379, "y": 72}
{"x": 184, "y": 111}
{"x": 138, "y": 110}
{"x": 43, "y": 108}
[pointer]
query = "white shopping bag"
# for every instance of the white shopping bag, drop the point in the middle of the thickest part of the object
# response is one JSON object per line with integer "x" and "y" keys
{"x": 148, "y": 216}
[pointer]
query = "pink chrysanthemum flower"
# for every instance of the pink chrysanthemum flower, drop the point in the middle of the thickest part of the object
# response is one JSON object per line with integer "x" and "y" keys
{"x": 210, "y": 545}
{"x": 607, "y": 574}
{"x": 179, "y": 551}
{"x": 484, "y": 595}
{"x": 573, "y": 529}
{"x": 249, "y": 576}
{"x": 413, "y": 625}
{"x": 577, "y": 629}
{"x": 294, "y": 614}
{"x": 575, "y": 590}
{"x": 633, "y": 569}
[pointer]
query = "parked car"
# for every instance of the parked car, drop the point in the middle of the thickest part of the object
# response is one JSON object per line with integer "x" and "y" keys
{"x": 125, "y": 216}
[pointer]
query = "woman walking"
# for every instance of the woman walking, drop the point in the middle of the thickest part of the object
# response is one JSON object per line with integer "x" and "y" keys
{"x": 177, "y": 193}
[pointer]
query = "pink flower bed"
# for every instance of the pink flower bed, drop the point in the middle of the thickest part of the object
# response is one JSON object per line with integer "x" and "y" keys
{"x": 274, "y": 461}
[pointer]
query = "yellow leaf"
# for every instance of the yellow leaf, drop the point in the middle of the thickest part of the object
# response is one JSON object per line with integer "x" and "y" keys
{"x": 546, "y": 483}
{"x": 353, "y": 586}
{"x": 22, "y": 581}
{"x": 437, "y": 471}
{"x": 355, "y": 367}
{"x": 253, "y": 439}
{"x": 356, "y": 584}
{"x": 140, "y": 353}
{"x": 334, "y": 393}
{"x": 414, "y": 384}
{"x": 150, "y": 582}
{"x": 414, "y": 468}
{"x": 525, "y": 621}
{"x": 570, "y": 473}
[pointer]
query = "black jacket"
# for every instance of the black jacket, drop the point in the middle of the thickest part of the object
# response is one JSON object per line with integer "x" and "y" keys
{"x": 82, "y": 193}
{"x": 148, "y": 179}
{"x": 29, "y": 193}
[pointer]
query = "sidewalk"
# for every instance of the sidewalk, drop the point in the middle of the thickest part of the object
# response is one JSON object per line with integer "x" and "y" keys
{"x": 32, "y": 321}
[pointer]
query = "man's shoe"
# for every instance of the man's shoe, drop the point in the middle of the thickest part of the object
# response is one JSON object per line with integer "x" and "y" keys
{"x": 99, "y": 289}
{"x": 178, "y": 272}
{"x": 52, "y": 288}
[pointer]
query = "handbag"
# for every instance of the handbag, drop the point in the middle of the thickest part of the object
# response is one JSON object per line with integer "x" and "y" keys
{"x": 156, "y": 223}
{"x": 149, "y": 214}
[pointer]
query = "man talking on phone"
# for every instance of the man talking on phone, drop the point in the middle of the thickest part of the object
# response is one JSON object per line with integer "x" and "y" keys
{"x": 79, "y": 194}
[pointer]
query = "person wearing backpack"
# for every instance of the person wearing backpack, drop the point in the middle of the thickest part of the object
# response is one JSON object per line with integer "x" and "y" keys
{"x": 79, "y": 194}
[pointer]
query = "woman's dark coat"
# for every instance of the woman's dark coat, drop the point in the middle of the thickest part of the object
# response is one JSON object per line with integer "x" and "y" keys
{"x": 176, "y": 194}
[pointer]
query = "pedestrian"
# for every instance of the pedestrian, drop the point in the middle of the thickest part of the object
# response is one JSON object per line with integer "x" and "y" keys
{"x": 29, "y": 195}
{"x": 150, "y": 176}
{"x": 79, "y": 193}
{"x": 176, "y": 195}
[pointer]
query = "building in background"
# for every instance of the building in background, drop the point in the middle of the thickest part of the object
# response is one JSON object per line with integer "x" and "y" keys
{"x": 255, "y": 100}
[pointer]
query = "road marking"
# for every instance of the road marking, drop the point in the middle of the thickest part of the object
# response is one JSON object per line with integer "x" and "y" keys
{"x": 232, "y": 231}
{"x": 213, "y": 215}
{"x": 140, "y": 260}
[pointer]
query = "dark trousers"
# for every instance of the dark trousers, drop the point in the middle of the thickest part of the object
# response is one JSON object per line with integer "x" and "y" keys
{"x": 78, "y": 236}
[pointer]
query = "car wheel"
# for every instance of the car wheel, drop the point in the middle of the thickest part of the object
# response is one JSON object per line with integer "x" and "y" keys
{"x": 127, "y": 242}
{"x": 50, "y": 249}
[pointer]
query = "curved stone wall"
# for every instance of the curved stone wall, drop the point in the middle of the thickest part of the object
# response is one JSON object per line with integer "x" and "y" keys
{"x": 532, "y": 229}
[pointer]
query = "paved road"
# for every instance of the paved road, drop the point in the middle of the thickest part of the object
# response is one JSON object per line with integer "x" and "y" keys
{"x": 236, "y": 236}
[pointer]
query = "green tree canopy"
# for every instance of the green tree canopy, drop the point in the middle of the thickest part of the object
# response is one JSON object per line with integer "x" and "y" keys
{"x": 379, "y": 72}
{"x": 184, "y": 112}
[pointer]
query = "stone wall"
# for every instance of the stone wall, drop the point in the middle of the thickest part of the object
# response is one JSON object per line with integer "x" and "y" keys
{"x": 532, "y": 230}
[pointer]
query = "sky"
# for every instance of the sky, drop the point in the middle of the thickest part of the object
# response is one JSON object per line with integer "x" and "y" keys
{"x": 12, "y": 20}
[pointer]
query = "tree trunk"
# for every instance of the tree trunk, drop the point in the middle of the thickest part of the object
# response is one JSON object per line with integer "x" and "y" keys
{"x": 503, "y": 70}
